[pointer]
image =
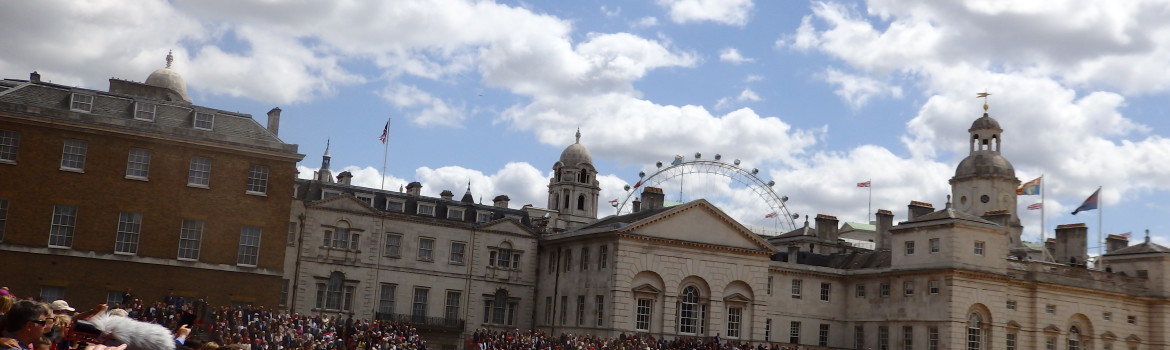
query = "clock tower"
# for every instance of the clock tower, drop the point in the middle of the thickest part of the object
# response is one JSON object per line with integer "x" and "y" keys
{"x": 985, "y": 182}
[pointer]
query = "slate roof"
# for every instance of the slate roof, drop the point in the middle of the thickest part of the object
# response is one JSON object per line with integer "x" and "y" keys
{"x": 311, "y": 191}
{"x": 1140, "y": 248}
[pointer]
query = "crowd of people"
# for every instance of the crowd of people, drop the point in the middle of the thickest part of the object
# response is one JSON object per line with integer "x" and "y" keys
{"x": 484, "y": 339}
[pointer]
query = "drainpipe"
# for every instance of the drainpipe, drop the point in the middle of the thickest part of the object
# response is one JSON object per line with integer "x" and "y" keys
{"x": 292, "y": 303}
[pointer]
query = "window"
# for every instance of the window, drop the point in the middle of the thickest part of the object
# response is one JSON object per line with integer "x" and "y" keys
{"x": 427, "y": 209}
{"x": 823, "y": 335}
{"x": 1143, "y": 273}
{"x": 503, "y": 257}
{"x": 603, "y": 258}
{"x": 330, "y": 194}
{"x": 796, "y": 289}
{"x": 455, "y": 213}
{"x": 203, "y": 121}
{"x": 61, "y": 231}
{"x": 908, "y": 288}
{"x": 1131, "y": 319}
{"x": 1011, "y": 304}
{"x": 284, "y": 285}
{"x": 584, "y": 258}
{"x": 138, "y": 164}
{"x": 1108, "y": 316}
{"x": 932, "y": 338}
{"x": 909, "y": 247}
{"x": 1050, "y": 309}
{"x": 932, "y": 286}
{"x": 1050, "y": 343}
{"x": 144, "y": 111}
{"x": 418, "y": 310}
{"x": 884, "y": 290}
{"x": 642, "y": 318}
{"x": 1011, "y": 342}
{"x": 292, "y": 233}
{"x": 883, "y": 337}
{"x": 393, "y": 244}
{"x": 457, "y": 249}
{"x": 365, "y": 198}
{"x": 979, "y": 247}
{"x": 552, "y": 262}
{"x": 386, "y": 298}
{"x": 81, "y": 102}
{"x": 9, "y": 144}
{"x": 73, "y": 155}
{"x": 580, "y": 310}
{"x": 564, "y": 308}
{"x": 483, "y": 216}
{"x": 337, "y": 295}
{"x": 426, "y": 248}
{"x": 689, "y": 315}
{"x": 3, "y": 216}
{"x": 907, "y": 338}
{"x": 189, "y": 239}
{"x": 599, "y": 302}
{"x": 548, "y": 311}
{"x": 794, "y": 332}
{"x": 257, "y": 179}
{"x": 1074, "y": 338}
{"x": 825, "y": 289}
{"x": 114, "y": 298}
{"x": 249, "y": 246}
{"x": 935, "y": 245}
{"x": 858, "y": 337}
{"x": 568, "y": 260}
{"x": 394, "y": 205}
{"x": 199, "y": 173}
{"x": 974, "y": 332}
{"x": 860, "y": 291}
{"x": 451, "y": 312}
{"x": 768, "y": 329}
{"x": 734, "y": 317}
{"x": 52, "y": 293}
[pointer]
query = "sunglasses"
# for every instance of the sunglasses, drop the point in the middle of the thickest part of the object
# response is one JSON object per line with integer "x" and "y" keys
{"x": 40, "y": 322}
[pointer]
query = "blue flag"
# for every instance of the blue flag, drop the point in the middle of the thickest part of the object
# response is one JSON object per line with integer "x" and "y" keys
{"x": 1089, "y": 204}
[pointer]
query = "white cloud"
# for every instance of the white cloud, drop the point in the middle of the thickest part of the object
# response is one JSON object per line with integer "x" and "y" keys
{"x": 751, "y": 78}
{"x": 611, "y": 12}
{"x": 731, "y": 55}
{"x": 858, "y": 90}
{"x": 744, "y": 96}
{"x": 645, "y": 22}
{"x": 431, "y": 110}
{"x": 728, "y": 12}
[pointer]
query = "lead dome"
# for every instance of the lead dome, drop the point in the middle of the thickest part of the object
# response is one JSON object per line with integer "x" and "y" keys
{"x": 576, "y": 153}
{"x": 169, "y": 78}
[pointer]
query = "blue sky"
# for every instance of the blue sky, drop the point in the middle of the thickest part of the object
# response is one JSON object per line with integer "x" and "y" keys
{"x": 817, "y": 95}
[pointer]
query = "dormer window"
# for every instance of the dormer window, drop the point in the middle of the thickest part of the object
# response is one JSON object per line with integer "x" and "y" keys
{"x": 203, "y": 121}
{"x": 427, "y": 209}
{"x": 395, "y": 205}
{"x": 365, "y": 198}
{"x": 455, "y": 213}
{"x": 328, "y": 194}
{"x": 483, "y": 216}
{"x": 81, "y": 103}
{"x": 144, "y": 111}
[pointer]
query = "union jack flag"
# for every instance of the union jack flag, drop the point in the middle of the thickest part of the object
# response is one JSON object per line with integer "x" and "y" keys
{"x": 385, "y": 132}
{"x": 1036, "y": 206}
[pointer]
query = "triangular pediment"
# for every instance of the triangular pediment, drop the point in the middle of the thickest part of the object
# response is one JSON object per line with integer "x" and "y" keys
{"x": 506, "y": 225}
{"x": 736, "y": 297}
{"x": 1052, "y": 329}
{"x": 647, "y": 288}
{"x": 1133, "y": 338}
{"x": 1013, "y": 324}
{"x": 344, "y": 202}
{"x": 1108, "y": 335}
{"x": 699, "y": 222}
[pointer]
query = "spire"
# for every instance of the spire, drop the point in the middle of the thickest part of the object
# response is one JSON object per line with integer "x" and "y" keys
{"x": 1147, "y": 235}
{"x": 170, "y": 58}
{"x": 578, "y": 135}
{"x": 324, "y": 175}
{"x": 467, "y": 197}
{"x": 327, "y": 142}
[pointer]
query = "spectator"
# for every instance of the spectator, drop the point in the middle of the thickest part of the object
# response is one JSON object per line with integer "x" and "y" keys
{"x": 26, "y": 322}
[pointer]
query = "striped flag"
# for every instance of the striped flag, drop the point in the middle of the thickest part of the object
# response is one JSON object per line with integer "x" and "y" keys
{"x": 385, "y": 132}
{"x": 770, "y": 215}
{"x": 1036, "y": 206}
{"x": 863, "y": 184}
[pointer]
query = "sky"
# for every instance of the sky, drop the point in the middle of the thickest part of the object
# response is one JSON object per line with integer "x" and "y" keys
{"x": 816, "y": 95}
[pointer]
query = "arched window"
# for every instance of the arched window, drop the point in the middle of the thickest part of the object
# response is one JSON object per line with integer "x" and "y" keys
{"x": 556, "y": 200}
{"x": 581, "y": 177}
{"x": 689, "y": 311}
{"x": 567, "y": 199}
{"x": 974, "y": 332}
{"x": 1074, "y": 338}
{"x": 333, "y": 291}
{"x": 581, "y": 202}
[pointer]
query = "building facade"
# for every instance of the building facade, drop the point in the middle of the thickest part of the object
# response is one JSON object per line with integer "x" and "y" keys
{"x": 102, "y": 190}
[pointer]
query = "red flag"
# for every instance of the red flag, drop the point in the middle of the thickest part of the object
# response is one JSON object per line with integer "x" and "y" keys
{"x": 863, "y": 184}
{"x": 385, "y": 132}
{"x": 770, "y": 215}
{"x": 614, "y": 202}
{"x": 1036, "y": 206}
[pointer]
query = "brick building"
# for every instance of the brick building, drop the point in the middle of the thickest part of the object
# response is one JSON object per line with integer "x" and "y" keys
{"x": 138, "y": 189}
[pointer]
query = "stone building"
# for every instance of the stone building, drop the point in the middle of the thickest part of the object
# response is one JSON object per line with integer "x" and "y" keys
{"x": 102, "y": 190}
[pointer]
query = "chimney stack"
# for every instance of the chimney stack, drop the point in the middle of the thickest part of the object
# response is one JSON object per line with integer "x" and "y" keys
{"x": 793, "y": 254}
{"x": 1071, "y": 244}
{"x": 1115, "y": 242}
{"x": 885, "y": 221}
{"x": 917, "y": 209}
{"x": 34, "y": 77}
{"x": 447, "y": 194}
{"x": 827, "y": 228}
{"x": 653, "y": 198}
{"x": 637, "y": 205}
{"x": 501, "y": 201}
{"x": 344, "y": 178}
{"x": 273, "y": 121}
{"x": 414, "y": 189}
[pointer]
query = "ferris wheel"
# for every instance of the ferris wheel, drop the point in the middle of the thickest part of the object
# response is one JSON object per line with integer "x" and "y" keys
{"x": 680, "y": 168}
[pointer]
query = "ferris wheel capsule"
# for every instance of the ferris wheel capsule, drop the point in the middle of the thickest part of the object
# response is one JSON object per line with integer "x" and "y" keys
{"x": 627, "y": 187}
{"x": 718, "y": 156}
{"x": 698, "y": 155}
{"x": 659, "y": 165}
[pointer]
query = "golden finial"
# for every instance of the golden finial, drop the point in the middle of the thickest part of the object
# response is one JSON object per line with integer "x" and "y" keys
{"x": 983, "y": 95}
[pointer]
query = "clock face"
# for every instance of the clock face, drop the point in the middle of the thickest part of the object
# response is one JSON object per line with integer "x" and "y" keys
{"x": 984, "y": 199}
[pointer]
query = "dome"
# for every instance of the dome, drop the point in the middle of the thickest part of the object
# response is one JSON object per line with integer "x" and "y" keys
{"x": 986, "y": 164}
{"x": 170, "y": 79}
{"x": 576, "y": 154}
{"x": 985, "y": 123}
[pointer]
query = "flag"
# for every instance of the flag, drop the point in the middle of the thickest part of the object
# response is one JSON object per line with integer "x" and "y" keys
{"x": 1029, "y": 188}
{"x": 1036, "y": 206}
{"x": 1126, "y": 235}
{"x": 863, "y": 184}
{"x": 1089, "y": 204}
{"x": 614, "y": 202}
{"x": 385, "y": 132}
{"x": 639, "y": 184}
{"x": 770, "y": 215}
{"x": 677, "y": 160}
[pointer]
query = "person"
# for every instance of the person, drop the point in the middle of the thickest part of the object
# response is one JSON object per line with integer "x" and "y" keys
{"x": 43, "y": 343}
{"x": 25, "y": 322}
{"x": 61, "y": 307}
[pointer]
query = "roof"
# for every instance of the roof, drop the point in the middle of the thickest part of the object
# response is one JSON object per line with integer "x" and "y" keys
{"x": 946, "y": 214}
{"x": 1141, "y": 248}
{"x": 861, "y": 226}
{"x": 985, "y": 123}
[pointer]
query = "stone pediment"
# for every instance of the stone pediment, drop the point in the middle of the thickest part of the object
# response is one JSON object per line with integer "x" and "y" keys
{"x": 1108, "y": 335}
{"x": 1133, "y": 338}
{"x": 1052, "y": 329}
{"x": 344, "y": 202}
{"x": 506, "y": 225}
{"x": 736, "y": 297}
{"x": 647, "y": 288}
{"x": 1013, "y": 324}
{"x": 700, "y": 222}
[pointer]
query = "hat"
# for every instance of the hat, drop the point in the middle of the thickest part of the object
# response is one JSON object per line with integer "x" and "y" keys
{"x": 61, "y": 305}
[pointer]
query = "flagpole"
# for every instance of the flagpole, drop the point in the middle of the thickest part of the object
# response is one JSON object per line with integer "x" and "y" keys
{"x": 385, "y": 154}
{"x": 869, "y": 206}
{"x": 1043, "y": 229}
{"x": 1100, "y": 214}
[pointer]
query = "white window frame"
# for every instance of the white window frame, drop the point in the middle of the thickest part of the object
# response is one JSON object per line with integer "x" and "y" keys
{"x": 73, "y": 155}
{"x": 599, "y": 309}
{"x": 908, "y": 288}
{"x": 418, "y": 307}
{"x": 397, "y": 247}
{"x": 199, "y": 172}
{"x": 430, "y": 209}
{"x": 401, "y": 205}
{"x": 365, "y": 198}
{"x": 909, "y": 246}
{"x": 257, "y": 180}
{"x": 826, "y": 291}
{"x": 249, "y": 252}
{"x": 980, "y": 247}
{"x": 138, "y": 164}
{"x": 859, "y": 291}
{"x": 330, "y": 194}
{"x": 81, "y": 102}
{"x": 797, "y": 288}
{"x": 9, "y": 146}
{"x": 129, "y": 231}
{"x": 190, "y": 239}
{"x": 386, "y": 297}
{"x": 203, "y": 120}
{"x": 483, "y": 216}
{"x": 145, "y": 111}
{"x": 458, "y": 253}
{"x": 933, "y": 286}
{"x": 935, "y": 245}
{"x": 454, "y": 213}
{"x": 426, "y": 252}
{"x": 734, "y": 320}
{"x": 62, "y": 227}
{"x": 642, "y": 314}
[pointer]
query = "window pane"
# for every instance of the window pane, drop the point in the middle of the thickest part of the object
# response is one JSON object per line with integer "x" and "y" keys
{"x": 138, "y": 163}
{"x": 189, "y": 239}
{"x": 249, "y": 251}
{"x": 61, "y": 231}
{"x": 258, "y": 179}
{"x": 9, "y": 144}
{"x": 199, "y": 173}
{"x": 129, "y": 227}
{"x": 73, "y": 154}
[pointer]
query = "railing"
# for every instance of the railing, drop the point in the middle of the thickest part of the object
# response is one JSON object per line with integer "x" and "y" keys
{"x": 423, "y": 322}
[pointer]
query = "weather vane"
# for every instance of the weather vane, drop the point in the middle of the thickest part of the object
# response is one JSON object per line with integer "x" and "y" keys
{"x": 983, "y": 95}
